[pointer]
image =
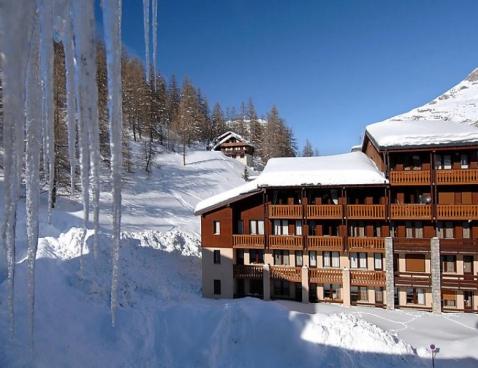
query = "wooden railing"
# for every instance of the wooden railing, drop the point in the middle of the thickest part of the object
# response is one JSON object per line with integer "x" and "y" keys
{"x": 324, "y": 211}
{"x": 285, "y": 242}
{"x": 248, "y": 241}
{"x": 457, "y": 212}
{"x": 460, "y": 176}
{"x": 411, "y": 177}
{"x": 331, "y": 243}
{"x": 366, "y": 244}
{"x": 285, "y": 211}
{"x": 411, "y": 211}
{"x": 292, "y": 274}
{"x": 367, "y": 278}
{"x": 366, "y": 211}
{"x": 411, "y": 244}
{"x": 460, "y": 281}
{"x": 412, "y": 279}
{"x": 458, "y": 245}
{"x": 325, "y": 276}
{"x": 247, "y": 272}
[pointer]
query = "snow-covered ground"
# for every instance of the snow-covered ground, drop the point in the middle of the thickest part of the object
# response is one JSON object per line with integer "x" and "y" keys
{"x": 163, "y": 321}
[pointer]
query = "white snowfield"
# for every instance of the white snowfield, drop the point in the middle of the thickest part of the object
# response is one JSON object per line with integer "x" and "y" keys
{"x": 344, "y": 169}
{"x": 162, "y": 320}
{"x": 409, "y": 133}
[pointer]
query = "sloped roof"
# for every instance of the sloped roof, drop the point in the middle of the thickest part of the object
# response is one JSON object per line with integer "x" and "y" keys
{"x": 226, "y": 136}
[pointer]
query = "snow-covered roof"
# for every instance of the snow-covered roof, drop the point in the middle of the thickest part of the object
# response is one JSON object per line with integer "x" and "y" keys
{"x": 413, "y": 133}
{"x": 225, "y": 137}
{"x": 354, "y": 168}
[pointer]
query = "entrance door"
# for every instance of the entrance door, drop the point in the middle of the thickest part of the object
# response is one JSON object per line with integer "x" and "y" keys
{"x": 468, "y": 297}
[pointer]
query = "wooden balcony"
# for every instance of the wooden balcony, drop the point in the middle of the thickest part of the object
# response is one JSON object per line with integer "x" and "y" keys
{"x": 292, "y": 274}
{"x": 366, "y": 244}
{"x": 410, "y": 177}
{"x": 411, "y": 211}
{"x": 366, "y": 211}
{"x": 411, "y": 245}
{"x": 367, "y": 278}
{"x": 285, "y": 211}
{"x": 459, "y": 281}
{"x": 457, "y": 177}
{"x": 325, "y": 276}
{"x": 291, "y": 242}
{"x": 247, "y": 272}
{"x": 459, "y": 245}
{"x": 248, "y": 241}
{"x": 325, "y": 243}
{"x": 412, "y": 279}
{"x": 324, "y": 211}
{"x": 457, "y": 212}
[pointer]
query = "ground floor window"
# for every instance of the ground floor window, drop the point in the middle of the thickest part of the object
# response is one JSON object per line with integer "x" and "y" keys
{"x": 256, "y": 256}
{"x": 468, "y": 299}
{"x": 358, "y": 294}
{"x": 217, "y": 287}
{"x": 313, "y": 293}
{"x": 281, "y": 288}
{"x": 415, "y": 296}
{"x": 448, "y": 298}
{"x": 255, "y": 287}
{"x": 332, "y": 292}
{"x": 281, "y": 257}
{"x": 379, "y": 296}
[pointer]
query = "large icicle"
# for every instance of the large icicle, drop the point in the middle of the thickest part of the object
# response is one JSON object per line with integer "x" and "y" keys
{"x": 154, "y": 9}
{"x": 146, "y": 38}
{"x": 15, "y": 22}
{"x": 46, "y": 72}
{"x": 112, "y": 31}
{"x": 33, "y": 109}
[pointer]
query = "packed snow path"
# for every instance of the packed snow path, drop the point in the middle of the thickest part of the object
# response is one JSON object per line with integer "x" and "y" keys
{"x": 162, "y": 319}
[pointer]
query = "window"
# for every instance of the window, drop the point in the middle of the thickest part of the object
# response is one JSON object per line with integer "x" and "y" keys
{"x": 260, "y": 227}
{"x": 217, "y": 257}
{"x": 449, "y": 230}
{"x": 217, "y": 287}
{"x": 332, "y": 292}
{"x": 358, "y": 294}
{"x": 438, "y": 162}
{"x": 256, "y": 256}
{"x": 358, "y": 260}
{"x": 253, "y": 227}
{"x": 281, "y": 257}
{"x": 299, "y": 262}
{"x": 331, "y": 259}
{"x": 448, "y": 298}
{"x": 448, "y": 263}
{"x": 335, "y": 259}
{"x": 255, "y": 287}
{"x": 466, "y": 230}
{"x": 468, "y": 264}
{"x": 415, "y": 263}
{"x": 379, "y": 296}
{"x": 415, "y": 296}
{"x": 239, "y": 256}
{"x": 464, "y": 161}
{"x": 353, "y": 260}
{"x": 416, "y": 162}
{"x": 298, "y": 227}
{"x": 217, "y": 227}
{"x": 313, "y": 259}
{"x": 281, "y": 227}
{"x": 440, "y": 233}
{"x": 377, "y": 261}
{"x": 281, "y": 287}
{"x": 447, "y": 162}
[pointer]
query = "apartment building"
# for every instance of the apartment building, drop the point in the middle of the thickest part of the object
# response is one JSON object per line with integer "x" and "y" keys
{"x": 394, "y": 225}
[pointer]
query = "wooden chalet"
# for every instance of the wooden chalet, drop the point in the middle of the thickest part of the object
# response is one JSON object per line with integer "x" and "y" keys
{"x": 233, "y": 145}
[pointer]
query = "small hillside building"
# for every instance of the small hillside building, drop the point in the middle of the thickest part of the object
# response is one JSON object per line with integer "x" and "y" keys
{"x": 235, "y": 146}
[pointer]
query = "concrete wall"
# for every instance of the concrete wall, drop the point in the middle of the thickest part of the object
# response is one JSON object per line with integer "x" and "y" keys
{"x": 222, "y": 271}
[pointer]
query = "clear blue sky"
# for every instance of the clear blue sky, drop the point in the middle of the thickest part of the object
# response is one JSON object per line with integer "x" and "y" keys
{"x": 331, "y": 67}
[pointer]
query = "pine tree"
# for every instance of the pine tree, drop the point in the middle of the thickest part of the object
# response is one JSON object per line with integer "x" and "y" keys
{"x": 186, "y": 119}
{"x": 308, "y": 150}
{"x": 217, "y": 121}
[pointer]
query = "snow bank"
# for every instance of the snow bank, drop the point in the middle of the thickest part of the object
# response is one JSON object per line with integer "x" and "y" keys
{"x": 403, "y": 133}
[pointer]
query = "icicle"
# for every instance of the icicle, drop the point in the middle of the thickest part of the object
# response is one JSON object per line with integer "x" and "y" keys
{"x": 146, "y": 37}
{"x": 112, "y": 32}
{"x": 33, "y": 110}
{"x": 46, "y": 71}
{"x": 15, "y": 20}
{"x": 70, "y": 95}
{"x": 154, "y": 8}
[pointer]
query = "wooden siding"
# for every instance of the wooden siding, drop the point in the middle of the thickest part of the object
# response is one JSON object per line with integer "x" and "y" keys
{"x": 285, "y": 211}
{"x": 292, "y": 274}
{"x": 292, "y": 242}
{"x": 248, "y": 241}
{"x": 457, "y": 212}
{"x": 222, "y": 240}
{"x": 366, "y": 244}
{"x": 325, "y": 276}
{"x": 410, "y": 177}
{"x": 324, "y": 211}
{"x": 457, "y": 176}
{"x": 367, "y": 278}
{"x": 325, "y": 243}
{"x": 366, "y": 211}
{"x": 411, "y": 211}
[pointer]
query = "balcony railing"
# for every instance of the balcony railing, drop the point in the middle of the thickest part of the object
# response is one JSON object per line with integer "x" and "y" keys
{"x": 369, "y": 244}
{"x": 460, "y": 281}
{"x": 458, "y": 245}
{"x": 457, "y": 212}
{"x": 411, "y": 211}
{"x": 292, "y": 274}
{"x": 324, "y": 211}
{"x": 411, "y": 245}
{"x": 456, "y": 177}
{"x": 294, "y": 242}
{"x": 325, "y": 276}
{"x": 285, "y": 211}
{"x": 247, "y": 272}
{"x": 412, "y": 279}
{"x": 325, "y": 243}
{"x": 411, "y": 177}
{"x": 366, "y": 211}
{"x": 367, "y": 278}
{"x": 248, "y": 241}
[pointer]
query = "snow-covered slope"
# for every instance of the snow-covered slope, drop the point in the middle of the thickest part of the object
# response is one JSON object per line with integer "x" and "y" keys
{"x": 459, "y": 104}
{"x": 164, "y": 322}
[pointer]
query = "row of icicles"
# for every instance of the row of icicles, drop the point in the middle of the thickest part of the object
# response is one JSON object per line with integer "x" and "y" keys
{"x": 27, "y": 31}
